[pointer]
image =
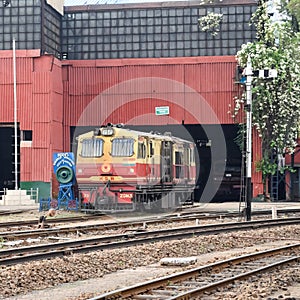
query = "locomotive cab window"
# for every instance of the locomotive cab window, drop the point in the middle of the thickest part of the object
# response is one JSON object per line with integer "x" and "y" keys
{"x": 151, "y": 149}
{"x": 122, "y": 147}
{"x": 178, "y": 158}
{"x": 178, "y": 164}
{"x": 192, "y": 155}
{"x": 141, "y": 150}
{"x": 92, "y": 148}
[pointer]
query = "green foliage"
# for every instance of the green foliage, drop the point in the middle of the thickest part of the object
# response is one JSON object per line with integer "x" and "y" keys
{"x": 275, "y": 102}
{"x": 240, "y": 138}
{"x": 266, "y": 167}
{"x": 293, "y": 8}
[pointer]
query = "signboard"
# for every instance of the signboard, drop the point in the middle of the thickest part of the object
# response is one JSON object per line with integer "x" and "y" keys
{"x": 63, "y": 159}
{"x": 64, "y": 167}
{"x": 162, "y": 110}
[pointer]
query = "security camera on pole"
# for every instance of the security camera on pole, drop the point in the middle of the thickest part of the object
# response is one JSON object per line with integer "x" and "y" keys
{"x": 248, "y": 107}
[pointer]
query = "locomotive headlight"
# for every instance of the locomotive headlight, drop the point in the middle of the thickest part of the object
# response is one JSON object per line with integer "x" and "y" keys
{"x": 107, "y": 131}
{"x": 79, "y": 171}
{"x": 131, "y": 170}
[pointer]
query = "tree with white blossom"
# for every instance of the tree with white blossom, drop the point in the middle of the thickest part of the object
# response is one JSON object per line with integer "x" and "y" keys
{"x": 276, "y": 101}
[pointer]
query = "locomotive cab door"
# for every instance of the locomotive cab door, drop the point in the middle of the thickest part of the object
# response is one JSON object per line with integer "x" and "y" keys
{"x": 150, "y": 161}
{"x": 166, "y": 162}
{"x": 187, "y": 159}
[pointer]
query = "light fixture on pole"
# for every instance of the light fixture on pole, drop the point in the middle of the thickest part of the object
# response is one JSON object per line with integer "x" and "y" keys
{"x": 248, "y": 107}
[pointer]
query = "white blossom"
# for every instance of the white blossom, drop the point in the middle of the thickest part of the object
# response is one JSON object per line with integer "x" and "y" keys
{"x": 276, "y": 102}
{"x": 210, "y": 23}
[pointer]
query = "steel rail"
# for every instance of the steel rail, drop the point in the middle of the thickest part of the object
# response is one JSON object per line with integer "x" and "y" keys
{"x": 200, "y": 215}
{"x": 180, "y": 277}
{"x": 22, "y": 234}
{"x": 86, "y": 218}
{"x": 51, "y": 221}
{"x": 11, "y": 212}
{"x": 12, "y": 235}
{"x": 213, "y": 286}
{"x": 129, "y": 239}
{"x": 107, "y": 226}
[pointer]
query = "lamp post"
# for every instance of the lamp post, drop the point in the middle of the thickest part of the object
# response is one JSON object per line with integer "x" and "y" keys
{"x": 15, "y": 114}
{"x": 248, "y": 107}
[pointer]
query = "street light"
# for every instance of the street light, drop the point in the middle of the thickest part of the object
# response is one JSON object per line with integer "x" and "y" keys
{"x": 248, "y": 107}
{"x": 15, "y": 113}
{"x": 249, "y": 73}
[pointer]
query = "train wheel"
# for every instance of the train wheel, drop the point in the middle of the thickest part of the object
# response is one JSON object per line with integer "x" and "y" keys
{"x": 177, "y": 199}
{"x": 139, "y": 204}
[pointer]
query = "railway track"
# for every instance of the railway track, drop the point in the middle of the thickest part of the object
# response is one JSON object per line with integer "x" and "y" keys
{"x": 208, "y": 279}
{"x": 11, "y": 212}
{"x": 24, "y": 254}
{"x": 16, "y": 230}
{"x": 183, "y": 214}
{"x": 29, "y": 223}
{"x": 98, "y": 227}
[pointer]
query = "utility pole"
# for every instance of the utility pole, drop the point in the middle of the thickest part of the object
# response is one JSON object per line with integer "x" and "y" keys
{"x": 15, "y": 114}
{"x": 248, "y": 107}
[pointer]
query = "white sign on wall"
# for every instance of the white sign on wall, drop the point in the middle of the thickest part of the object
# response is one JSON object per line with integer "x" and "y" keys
{"x": 162, "y": 110}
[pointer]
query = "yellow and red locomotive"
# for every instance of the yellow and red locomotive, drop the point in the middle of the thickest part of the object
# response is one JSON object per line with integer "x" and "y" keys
{"x": 120, "y": 169}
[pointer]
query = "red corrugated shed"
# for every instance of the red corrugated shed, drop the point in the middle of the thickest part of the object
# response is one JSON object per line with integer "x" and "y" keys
{"x": 39, "y": 108}
{"x": 41, "y": 82}
{"x": 41, "y": 164}
{"x": 197, "y": 90}
{"x": 55, "y": 95}
{"x": 26, "y": 163}
{"x": 57, "y": 142}
{"x": 6, "y": 103}
{"x": 202, "y": 87}
{"x": 41, "y": 136}
{"x": 23, "y": 68}
{"x": 57, "y": 83}
{"x": 66, "y": 138}
{"x": 42, "y": 107}
{"x": 296, "y": 156}
{"x": 25, "y": 106}
{"x": 256, "y": 156}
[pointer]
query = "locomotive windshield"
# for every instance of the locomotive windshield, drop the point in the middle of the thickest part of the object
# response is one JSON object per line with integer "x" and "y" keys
{"x": 92, "y": 148}
{"x": 122, "y": 147}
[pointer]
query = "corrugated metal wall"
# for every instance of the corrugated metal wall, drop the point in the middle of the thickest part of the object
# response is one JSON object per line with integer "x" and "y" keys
{"x": 155, "y": 82}
{"x": 197, "y": 90}
{"x": 54, "y": 95}
{"x": 39, "y": 107}
{"x": 256, "y": 156}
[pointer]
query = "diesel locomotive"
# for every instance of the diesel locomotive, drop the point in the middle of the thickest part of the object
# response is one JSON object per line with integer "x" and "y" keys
{"x": 119, "y": 169}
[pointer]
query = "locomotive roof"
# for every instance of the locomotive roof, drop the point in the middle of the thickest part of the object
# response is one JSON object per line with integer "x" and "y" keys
{"x": 154, "y": 135}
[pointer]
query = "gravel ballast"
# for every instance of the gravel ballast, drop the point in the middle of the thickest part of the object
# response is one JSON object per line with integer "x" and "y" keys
{"x": 22, "y": 279}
